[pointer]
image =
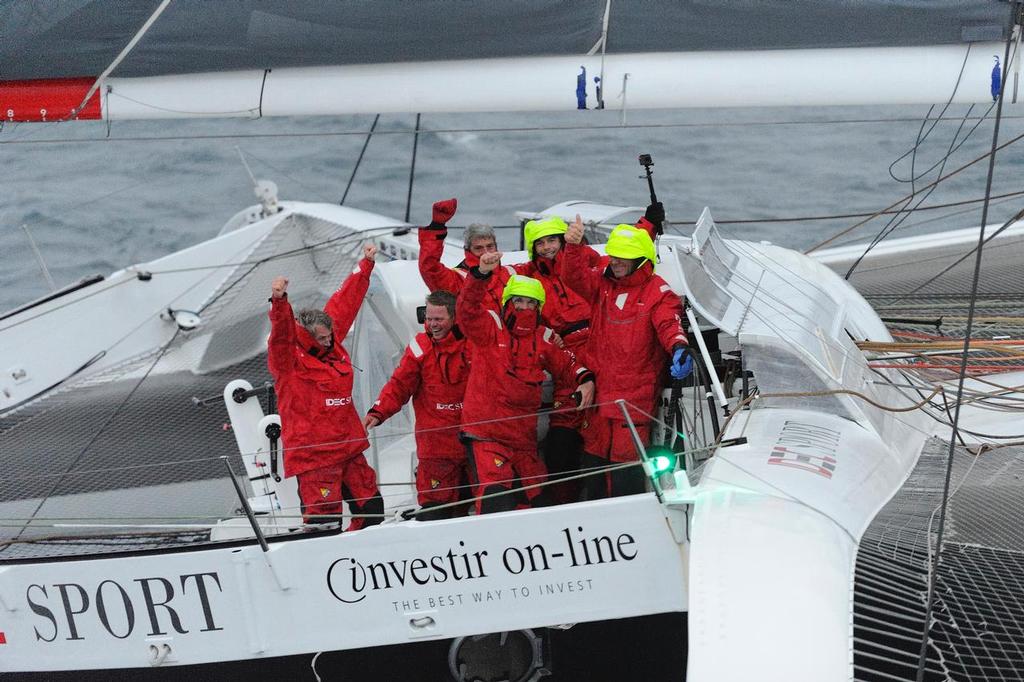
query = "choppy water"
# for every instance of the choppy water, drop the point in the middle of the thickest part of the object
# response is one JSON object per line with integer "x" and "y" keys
{"x": 95, "y": 204}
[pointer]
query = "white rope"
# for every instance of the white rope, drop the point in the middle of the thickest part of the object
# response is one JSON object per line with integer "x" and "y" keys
{"x": 120, "y": 57}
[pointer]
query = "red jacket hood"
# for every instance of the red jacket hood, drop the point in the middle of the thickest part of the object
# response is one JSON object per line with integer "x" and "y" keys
{"x": 309, "y": 344}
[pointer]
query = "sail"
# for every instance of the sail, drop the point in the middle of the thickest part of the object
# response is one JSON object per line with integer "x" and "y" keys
{"x": 265, "y": 58}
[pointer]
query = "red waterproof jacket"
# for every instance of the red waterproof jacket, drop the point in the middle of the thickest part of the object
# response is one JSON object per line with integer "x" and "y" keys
{"x": 634, "y": 323}
{"x": 565, "y": 311}
{"x": 320, "y": 425}
{"x": 434, "y": 374}
{"x": 508, "y": 372}
{"x": 436, "y": 275}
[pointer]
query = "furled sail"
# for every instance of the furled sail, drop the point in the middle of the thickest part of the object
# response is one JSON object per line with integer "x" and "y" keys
{"x": 274, "y": 57}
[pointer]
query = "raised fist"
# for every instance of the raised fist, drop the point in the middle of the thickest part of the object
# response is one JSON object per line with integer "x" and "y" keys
{"x": 278, "y": 287}
{"x": 490, "y": 261}
{"x": 444, "y": 210}
{"x": 369, "y": 251}
{"x": 574, "y": 235}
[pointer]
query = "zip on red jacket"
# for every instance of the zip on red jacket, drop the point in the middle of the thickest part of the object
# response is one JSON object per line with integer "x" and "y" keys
{"x": 508, "y": 371}
{"x": 320, "y": 425}
{"x": 634, "y": 325}
{"x": 434, "y": 374}
{"x": 564, "y": 310}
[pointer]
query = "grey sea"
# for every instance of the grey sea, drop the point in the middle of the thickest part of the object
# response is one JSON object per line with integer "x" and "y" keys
{"x": 96, "y": 199}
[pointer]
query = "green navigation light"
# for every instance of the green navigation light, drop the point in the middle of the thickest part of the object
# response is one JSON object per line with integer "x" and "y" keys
{"x": 660, "y": 460}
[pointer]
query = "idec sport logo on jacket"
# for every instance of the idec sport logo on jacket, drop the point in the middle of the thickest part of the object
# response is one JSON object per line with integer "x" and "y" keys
{"x": 338, "y": 402}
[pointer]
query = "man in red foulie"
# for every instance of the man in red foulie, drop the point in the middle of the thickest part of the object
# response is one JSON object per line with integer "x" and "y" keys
{"x": 477, "y": 240}
{"x": 635, "y": 328}
{"x": 568, "y": 314}
{"x": 323, "y": 435}
{"x": 433, "y": 372}
{"x": 511, "y": 352}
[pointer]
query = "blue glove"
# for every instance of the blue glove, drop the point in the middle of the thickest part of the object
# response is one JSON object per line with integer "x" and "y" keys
{"x": 682, "y": 364}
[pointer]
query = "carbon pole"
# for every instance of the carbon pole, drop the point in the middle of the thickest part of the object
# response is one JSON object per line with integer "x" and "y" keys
{"x": 933, "y": 578}
{"x": 412, "y": 168}
{"x": 366, "y": 143}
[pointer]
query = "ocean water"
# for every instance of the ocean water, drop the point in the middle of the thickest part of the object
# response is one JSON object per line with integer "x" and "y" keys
{"x": 95, "y": 200}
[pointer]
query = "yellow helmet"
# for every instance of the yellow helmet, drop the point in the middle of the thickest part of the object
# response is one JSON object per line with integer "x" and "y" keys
{"x": 535, "y": 229}
{"x": 520, "y": 285}
{"x": 630, "y": 242}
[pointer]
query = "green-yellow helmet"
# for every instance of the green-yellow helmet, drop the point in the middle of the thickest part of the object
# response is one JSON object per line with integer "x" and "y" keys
{"x": 535, "y": 229}
{"x": 630, "y": 242}
{"x": 520, "y": 285}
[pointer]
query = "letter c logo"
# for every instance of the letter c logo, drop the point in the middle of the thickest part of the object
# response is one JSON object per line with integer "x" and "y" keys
{"x": 356, "y": 571}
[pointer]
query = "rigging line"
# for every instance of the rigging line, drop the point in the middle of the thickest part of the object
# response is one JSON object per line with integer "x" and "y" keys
{"x": 84, "y": 366}
{"x": 412, "y": 168}
{"x": 332, "y": 243}
{"x": 357, "y": 236}
{"x": 263, "y": 87}
{"x": 510, "y": 129}
{"x": 1002, "y": 199}
{"x": 936, "y": 564}
{"x": 377, "y": 436}
{"x": 576, "y": 474}
{"x": 595, "y": 471}
{"x": 917, "y": 143}
{"x": 46, "y": 496}
{"x": 961, "y": 143}
{"x": 126, "y": 467}
{"x": 282, "y": 173}
{"x": 126, "y": 280}
{"x": 901, "y": 200}
{"x": 1017, "y": 216}
{"x": 570, "y": 474}
{"x": 918, "y": 390}
{"x": 68, "y": 303}
{"x": 400, "y": 434}
{"x": 209, "y": 114}
{"x": 920, "y": 138}
{"x": 245, "y": 164}
{"x": 119, "y": 58}
{"x": 896, "y": 221}
{"x": 838, "y": 216}
{"x": 941, "y": 164}
{"x": 366, "y": 143}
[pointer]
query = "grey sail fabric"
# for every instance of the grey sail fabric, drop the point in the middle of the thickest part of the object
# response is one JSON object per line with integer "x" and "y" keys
{"x": 74, "y": 38}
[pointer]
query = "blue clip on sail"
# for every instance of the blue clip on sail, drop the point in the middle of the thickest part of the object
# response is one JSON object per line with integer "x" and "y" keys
{"x": 996, "y": 79}
{"x": 581, "y": 88}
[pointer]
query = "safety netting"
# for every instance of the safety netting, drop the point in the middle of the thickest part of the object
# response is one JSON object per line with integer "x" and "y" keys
{"x": 976, "y": 631}
{"x": 124, "y": 459}
{"x": 975, "y": 626}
